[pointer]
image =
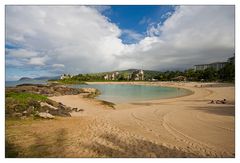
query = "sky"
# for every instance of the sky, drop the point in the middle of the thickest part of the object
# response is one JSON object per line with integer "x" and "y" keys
{"x": 52, "y": 40}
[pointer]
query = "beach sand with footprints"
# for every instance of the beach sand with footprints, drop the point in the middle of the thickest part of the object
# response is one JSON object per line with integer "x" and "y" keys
{"x": 188, "y": 126}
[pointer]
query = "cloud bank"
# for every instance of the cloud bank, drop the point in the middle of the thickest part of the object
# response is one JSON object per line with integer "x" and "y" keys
{"x": 79, "y": 39}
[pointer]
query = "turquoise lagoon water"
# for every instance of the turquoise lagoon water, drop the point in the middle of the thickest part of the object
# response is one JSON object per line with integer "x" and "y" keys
{"x": 118, "y": 93}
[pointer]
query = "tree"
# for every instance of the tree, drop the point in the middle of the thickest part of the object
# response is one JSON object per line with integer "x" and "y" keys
{"x": 210, "y": 74}
{"x": 227, "y": 73}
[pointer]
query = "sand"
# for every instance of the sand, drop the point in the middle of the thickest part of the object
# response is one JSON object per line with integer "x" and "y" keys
{"x": 178, "y": 127}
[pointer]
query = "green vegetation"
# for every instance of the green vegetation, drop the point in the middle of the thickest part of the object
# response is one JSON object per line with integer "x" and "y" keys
{"x": 16, "y": 103}
{"x": 25, "y": 97}
{"x": 71, "y": 81}
{"x": 226, "y": 74}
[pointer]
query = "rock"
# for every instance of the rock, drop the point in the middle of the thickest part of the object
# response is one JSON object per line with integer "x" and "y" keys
{"x": 74, "y": 109}
{"x": 23, "y": 117}
{"x": 62, "y": 113}
{"x": 78, "y": 110}
{"x": 49, "y": 105}
{"x": 46, "y": 115}
{"x": 53, "y": 103}
{"x": 25, "y": 112}
{"x": 88, "y": 90}
{"x": 17, "y": 114}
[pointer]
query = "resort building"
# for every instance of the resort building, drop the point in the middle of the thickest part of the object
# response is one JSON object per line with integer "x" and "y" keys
{"x": 231, "y": 60}
{"x": 137, "y": 75}
{"x": 216, "y": 65}
{"x": 111, "y": 76}
{"x": 65, "y": 76}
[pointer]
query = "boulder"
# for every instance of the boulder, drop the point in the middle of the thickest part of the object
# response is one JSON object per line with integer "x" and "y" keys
{"x": 88, "y": 90}
{"x": 46, "y": 115}
{"x": 54, "y": 107}
{"x": 25, "y": 112}
{"x": 17, "y": 115}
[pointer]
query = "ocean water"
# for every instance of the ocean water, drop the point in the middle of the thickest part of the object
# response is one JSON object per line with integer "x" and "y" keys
{"x": 14, "y": 83}
{"x": 119, "y": 93}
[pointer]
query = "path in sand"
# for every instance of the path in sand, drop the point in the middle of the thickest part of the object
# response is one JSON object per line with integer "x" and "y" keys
{"x": 187, "y": 124}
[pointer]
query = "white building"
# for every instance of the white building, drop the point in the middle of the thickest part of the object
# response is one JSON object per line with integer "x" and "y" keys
{"x": 65, "y": 76}
{"x": 137, "y": 75}
{"x": 112, "y": 76}
{"x": 216, "y": 65}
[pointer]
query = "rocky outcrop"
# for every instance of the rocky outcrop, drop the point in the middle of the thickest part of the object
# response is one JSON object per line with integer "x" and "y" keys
{"x": 17, "y": 109}
{"x": 45, "y": 108}
{"x": 48, "y": 90}
{"x": 90, "y": 92}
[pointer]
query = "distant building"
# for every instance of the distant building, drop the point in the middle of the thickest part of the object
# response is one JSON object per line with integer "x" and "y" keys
{"x": 65, "y": 76}
{"x": 216, "y": 65}
{"x": 111, "y": 76}
{"x": 231, "y": 60}
{"x": 137, "y": 75}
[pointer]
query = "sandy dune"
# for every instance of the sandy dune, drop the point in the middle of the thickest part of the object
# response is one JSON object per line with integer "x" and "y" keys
{"x": 179, "y": 127}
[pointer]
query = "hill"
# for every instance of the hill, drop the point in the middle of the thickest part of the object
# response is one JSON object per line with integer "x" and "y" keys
{"x": 25, "y": 78}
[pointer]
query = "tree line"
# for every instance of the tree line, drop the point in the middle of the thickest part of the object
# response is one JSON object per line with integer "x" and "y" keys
{"x": 226, "y": 74}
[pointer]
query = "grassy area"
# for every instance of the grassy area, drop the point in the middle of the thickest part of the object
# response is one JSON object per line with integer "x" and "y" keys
{"x": 25, "y": 97}
{"x": 17, "y": 103}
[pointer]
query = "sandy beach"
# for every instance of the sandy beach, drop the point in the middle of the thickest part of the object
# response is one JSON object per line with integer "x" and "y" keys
{"x": 187, "y": 126}
{"x": 188, "y": 123}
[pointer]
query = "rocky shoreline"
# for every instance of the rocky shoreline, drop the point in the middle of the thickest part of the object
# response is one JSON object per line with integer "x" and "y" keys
{"x": 36, "y": 104}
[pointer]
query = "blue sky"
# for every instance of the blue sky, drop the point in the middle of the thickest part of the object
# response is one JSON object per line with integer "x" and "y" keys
{"x": 137, "y": 18}
{"x": 51, "y": 40}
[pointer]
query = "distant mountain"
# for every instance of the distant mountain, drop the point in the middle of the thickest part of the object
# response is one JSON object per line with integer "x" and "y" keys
{"x": 25, "y": 78}
{"x": 129, "y": 71}
{"x": 47, "y": 78}
{"x": 40, "y": 78}
{"x": 148, "y": 74}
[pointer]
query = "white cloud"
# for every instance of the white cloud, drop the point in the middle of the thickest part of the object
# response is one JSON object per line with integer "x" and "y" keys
{"x": 83, "y": 40}
{"x": 131, "y": 35}
{"x": 58, "y": 66}
{"x": 191, "y": 35}
{"x": 38, "y": 61}
{"x": 166, "y": 15}
{"x": 21, "y": 53}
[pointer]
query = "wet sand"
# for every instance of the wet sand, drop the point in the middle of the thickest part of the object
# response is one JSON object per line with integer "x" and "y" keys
{"x": 186, "y": 124}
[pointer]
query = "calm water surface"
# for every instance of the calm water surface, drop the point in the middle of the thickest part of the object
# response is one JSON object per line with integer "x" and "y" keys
{"x": 118, "y": 93}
